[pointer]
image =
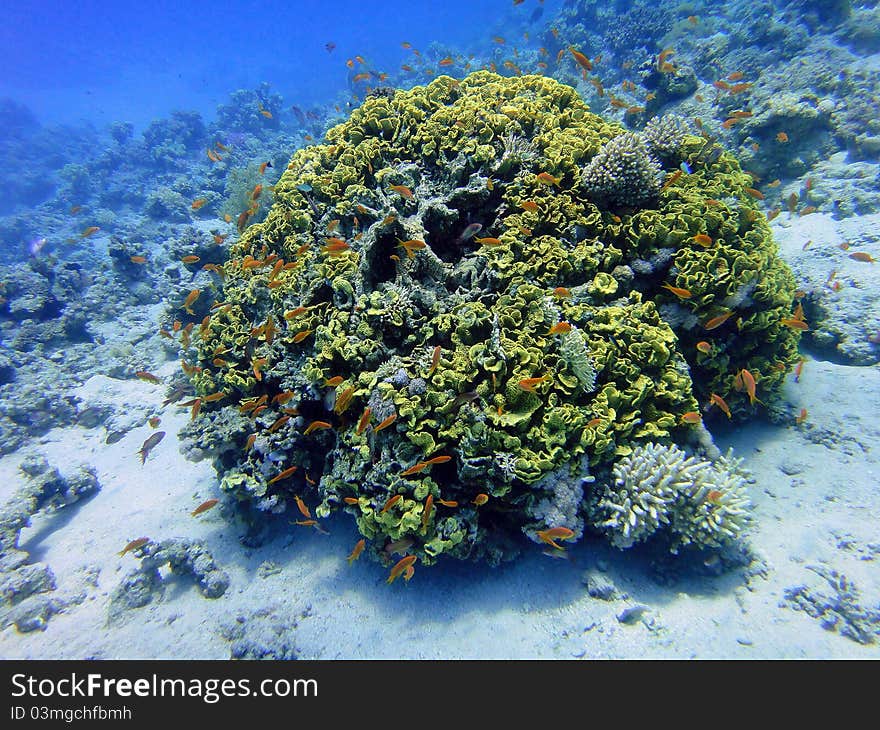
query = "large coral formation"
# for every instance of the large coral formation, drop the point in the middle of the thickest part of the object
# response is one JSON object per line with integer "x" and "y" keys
{"x": 527, "y": 353}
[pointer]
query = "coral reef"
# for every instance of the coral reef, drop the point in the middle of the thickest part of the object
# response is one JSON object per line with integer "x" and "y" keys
{"x": 361, "y": 333}
{"x": 28, "y": 596}
{"x": 659, "y": 489}
{"x": 183, "y": 558}
{"x": 840, "y": 612}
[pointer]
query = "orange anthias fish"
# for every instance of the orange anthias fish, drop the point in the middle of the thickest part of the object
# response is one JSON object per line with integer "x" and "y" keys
{"x": 555, "y": 533}
{"x": 435, "y": 360}
{"x": 703, "y": 240}
{"x": 190, "y": 300}
{"x": 356, "y": 552}
{"x": 528, "y": 384}
{"x": 89, "y": 231}
{"x": 387, "y": 422}
{"x": 716, "y": 322}
{"x": 704, "y": 347}
{"x": 134, "y": 545}
{"x": 317, "y": 426}
{"x": 691, "y": 417}
{"x": 402, "y": 190}
{"x": 547, "y": 179}
{"x": 301, "y": 506}
{"x": 717, "y": 400}
{"x": 678, "y": 291}
{"x": 581, "y": 59}
{"x": 560, "y": 328}
{"x": 794, "y": 323}
{"x": 146, "y": 376}
{"x": 748, "y": 381}
{"x": 204, "y": 506}
{"x": 390, "y": 503}
{"x": 426, "y": 512}
{"x": 411, "y": 247}
{"x": 400, "y": 567}
{"x": 364, "y": 421}
{"x": 481, "y": 499}
{"x": 282, "y": 475}
{"x": 198, "y": 203}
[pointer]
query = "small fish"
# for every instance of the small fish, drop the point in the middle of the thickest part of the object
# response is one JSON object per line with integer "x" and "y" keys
{"x": 138, "y": 259}
{"x": 528, "y": 384}
{"x": 435, "y": 360}
{"x": 716, "y": 322}
{"x": 356, "y": 552}
{"x": 703, "y": 240}
{"x": 555, "y": 533}
{"x": 717, "y": 400}
{"x": 364, "y": 420}
{"x": 89, "y": 231}
{"x": 278, "y": 423}
{"x": 801, "y": 417}
{"x": 671, "y": 179}
{"x": 757, "y": 194}
{"x": 190, "y": 300}
{"x": 581, "y": 59}
{"x": 426, "y": 511}
{"x": 390, "y": 503}
{"x": 417, "y": 468}
{"x": 334, "y": 381}
{"x": 795, "y": 324}
{"x": 351, "y": 500}
{"x": 547, "y": 179}
{"x": 198, "y": 203}
{"x": 481, "y": 499}
{"x": 134, "y": 545}
{"x": 560, "y": 328}
{"x": 250, "y": 442}
{"x": 411, "y": 247}
{"x": 282, "y": 475}
{"x": 317, "y": 426}
{"x": 300, "y": 336}
{"x": 470, "y": 231}
{"x": 691, "y": 417}
{"x": 301, "y": 506}
{"x": 704, "y": 347}
{"x": 782, "y": 137}
{"x": 529, "y": 205}
{"x": 714, "y": 496}
{"x": 749, "y": 382}
{"x": 150, "y": 444}
{"x": 402, "y": 190}
{"x": 448, "y": 503}
{"x": 400, "y": 567}
{"x": 561, "y": 292}
{"x": 204, "y": 506}
{"x": 387, "y": 422}
{"x": 154, "y": 421}
{"x": 343, "y": 401}
{"x": 488, "y": 241}
{"x": 862, "y": 256}
{"x": 148, "y": 377}
{"x": 678, "y": 291}
{"x": 74, "y": 209}
{"x": 190, "y": 259}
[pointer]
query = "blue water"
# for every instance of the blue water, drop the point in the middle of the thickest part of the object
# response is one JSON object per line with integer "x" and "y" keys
{"x": 100, "y": 62}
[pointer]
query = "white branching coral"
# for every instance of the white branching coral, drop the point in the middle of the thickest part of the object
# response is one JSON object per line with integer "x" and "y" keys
{"x": 659, "y": 487}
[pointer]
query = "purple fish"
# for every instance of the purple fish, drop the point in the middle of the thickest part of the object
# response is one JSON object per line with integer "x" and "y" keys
{"x": 472, "y": 230}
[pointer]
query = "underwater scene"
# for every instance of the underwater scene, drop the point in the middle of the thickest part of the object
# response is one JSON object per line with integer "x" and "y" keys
{"x": 440, "y": 330}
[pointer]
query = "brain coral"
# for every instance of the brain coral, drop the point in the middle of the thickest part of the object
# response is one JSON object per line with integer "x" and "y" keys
{"x": 453, "y": 389}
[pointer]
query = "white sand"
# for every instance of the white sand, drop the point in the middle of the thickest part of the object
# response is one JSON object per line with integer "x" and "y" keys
{"x": 536, "y": 607}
